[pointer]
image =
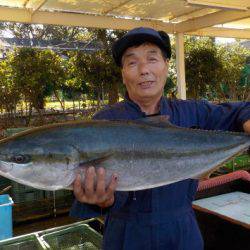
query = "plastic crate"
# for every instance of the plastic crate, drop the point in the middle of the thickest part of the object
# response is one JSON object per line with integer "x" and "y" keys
{"x": 22, "y": 193}
{"x": 28, "y": 196}
{"x": 58, "y": 193}
{"x": 62, "y": 198}
{"x": 74, "y": 237}
{"x": 21, "y": 188}
{"x": 6, "y": 203}
{"x": 26, "y": 242}
{"x": 4, "y": 182}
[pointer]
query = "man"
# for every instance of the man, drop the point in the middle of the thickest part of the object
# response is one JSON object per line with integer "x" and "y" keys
{"x": 158, "y": 218}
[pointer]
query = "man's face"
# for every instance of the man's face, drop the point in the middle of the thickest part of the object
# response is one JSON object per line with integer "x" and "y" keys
{"x": 144, "y": 72}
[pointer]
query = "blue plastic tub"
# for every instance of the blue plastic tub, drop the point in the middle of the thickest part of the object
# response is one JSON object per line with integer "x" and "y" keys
{"x": 6, "y": 229}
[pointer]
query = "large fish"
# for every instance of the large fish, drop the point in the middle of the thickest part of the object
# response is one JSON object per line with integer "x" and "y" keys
{"x": 145, "y": 154}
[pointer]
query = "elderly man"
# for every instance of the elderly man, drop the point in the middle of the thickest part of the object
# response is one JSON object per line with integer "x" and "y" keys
{"x": 158, "y": 218}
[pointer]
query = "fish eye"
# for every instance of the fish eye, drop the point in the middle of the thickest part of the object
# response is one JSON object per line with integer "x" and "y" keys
{"x": 20, "y": 158}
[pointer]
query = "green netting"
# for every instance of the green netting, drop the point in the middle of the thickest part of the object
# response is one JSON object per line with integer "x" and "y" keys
{"x": 29, "y": 242}
{"x": 240, "y": 162}
{"x": 81, "y": 237}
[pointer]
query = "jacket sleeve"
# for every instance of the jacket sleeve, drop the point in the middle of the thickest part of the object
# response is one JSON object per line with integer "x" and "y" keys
{"x": 224, "y": 116}
{"x": 85, "y": 211}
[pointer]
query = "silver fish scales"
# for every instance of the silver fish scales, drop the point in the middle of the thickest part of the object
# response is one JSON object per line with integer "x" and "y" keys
{"x": 145, "y": 154}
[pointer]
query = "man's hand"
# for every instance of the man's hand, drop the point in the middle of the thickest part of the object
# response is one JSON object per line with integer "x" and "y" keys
{"x": 246, "y": 126}
{"x": 95, "y": 193}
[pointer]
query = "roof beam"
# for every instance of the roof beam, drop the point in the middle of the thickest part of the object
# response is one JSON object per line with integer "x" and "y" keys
{"x": 83, "y": 20}
{"x": 78, "y": 19}
{"x": 26, "y": 2}
{"x": 211, "y": 20}
{"x": 222, "y": 32}
{"x": 117, "y": 6}
{"x": 15, "y": 15}
{"x": 35, "y": 6}
{"x": 217, "y": 4}
{"x": 192, "y": 14}
{"x": 106, "y": 22}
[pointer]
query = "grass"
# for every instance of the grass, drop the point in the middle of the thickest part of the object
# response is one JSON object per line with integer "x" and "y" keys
{"x": 69, "y": 104}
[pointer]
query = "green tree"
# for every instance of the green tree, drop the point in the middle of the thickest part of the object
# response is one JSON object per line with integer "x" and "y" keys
{"x": 101, "y": 75}
{"x": 170, "y": 89}
{"x": 97, "y": 70}
{"x": 231, "y": 87}
{"x": 45, "y": 32}
{"x": 9, "y": 93}
{"x": 245, "y": 79}
{"x": 203, "y": 68}
{"x": 37, "y": 74}
{"x": 75, "y": 87}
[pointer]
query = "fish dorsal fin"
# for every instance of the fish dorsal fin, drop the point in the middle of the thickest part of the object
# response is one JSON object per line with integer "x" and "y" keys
{"x": 161, "y": 121}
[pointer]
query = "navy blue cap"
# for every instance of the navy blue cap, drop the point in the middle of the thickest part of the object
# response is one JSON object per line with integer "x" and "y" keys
{"x": 139, "y": 36}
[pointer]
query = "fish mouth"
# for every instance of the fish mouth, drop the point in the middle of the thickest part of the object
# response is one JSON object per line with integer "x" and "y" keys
{"x": 5, "y": 166}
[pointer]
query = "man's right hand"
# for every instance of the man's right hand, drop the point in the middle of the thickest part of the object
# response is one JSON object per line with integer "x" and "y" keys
{"x": 95, "y": 193}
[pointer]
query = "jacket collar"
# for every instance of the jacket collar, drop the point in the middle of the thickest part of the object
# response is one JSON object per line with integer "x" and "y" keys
{"x": 164, "y": 106}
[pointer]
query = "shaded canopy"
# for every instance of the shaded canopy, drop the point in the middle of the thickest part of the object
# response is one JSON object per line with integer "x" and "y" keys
{"x": 226, "y": 18}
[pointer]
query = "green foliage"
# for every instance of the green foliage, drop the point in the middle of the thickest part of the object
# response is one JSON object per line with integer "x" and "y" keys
{"x": 203, "y": 68}
{"x": 97, "y": 72}
{"x": 75, "y": 85}
{"x": 37, "y": 74}
{"x": 214, "y": 71}
{"x": 9, "y": 94}
{"x": 234, "y": 61}
{"x": 45, "y": 32}
{"x": 170, "y": 89}
{"x": 245, "y": 76}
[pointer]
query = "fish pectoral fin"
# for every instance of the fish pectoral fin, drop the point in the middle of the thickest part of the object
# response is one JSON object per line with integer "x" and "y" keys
{"x": 161, "y": 121}
{"x": 95, "y": 161}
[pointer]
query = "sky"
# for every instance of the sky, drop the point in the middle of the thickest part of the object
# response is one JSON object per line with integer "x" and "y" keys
{"x": 219, "y": 40}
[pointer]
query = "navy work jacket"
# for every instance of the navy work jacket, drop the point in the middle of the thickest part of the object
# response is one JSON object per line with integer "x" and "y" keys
{"x": 161, "y": 218}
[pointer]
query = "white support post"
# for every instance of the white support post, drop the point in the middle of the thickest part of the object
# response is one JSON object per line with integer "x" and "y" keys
{"x": 180, "y": 65}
